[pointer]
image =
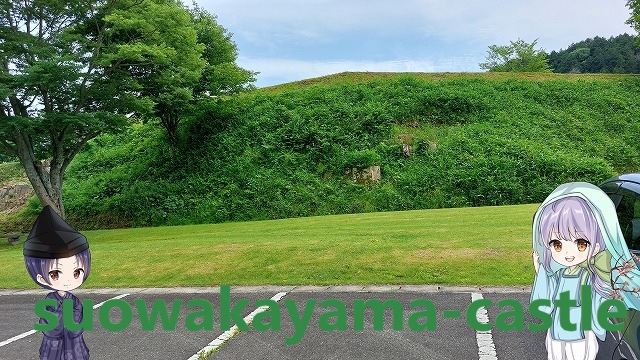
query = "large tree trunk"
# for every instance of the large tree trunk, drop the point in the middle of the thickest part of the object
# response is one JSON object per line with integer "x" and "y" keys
{"x": 45, "y": 176}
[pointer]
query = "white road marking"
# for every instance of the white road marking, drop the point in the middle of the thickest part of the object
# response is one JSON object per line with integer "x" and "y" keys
{"x": 486, "y": 347}
{"x": 31, "y": 332}
{"x": 17, "y": 337}
{"x": 220, "y": 340}
{"x": 113, "y": 298}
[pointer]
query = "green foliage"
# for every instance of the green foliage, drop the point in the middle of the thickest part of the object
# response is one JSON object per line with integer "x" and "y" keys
{"x": 519, "y": 56}
{"x": 361, "y": 159}
{"x": 475, "y": 140}
{"x": 221, "y": 75}
{"x": 634, "y": 19}
{"x": 179, "y": 55}
{"x": 11, "y": 172}
{"x": 73, "y": 70}
{"x": 617, "y": 55}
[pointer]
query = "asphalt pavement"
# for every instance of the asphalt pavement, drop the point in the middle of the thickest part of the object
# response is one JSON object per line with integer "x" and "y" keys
{"x": 296, "y": 322}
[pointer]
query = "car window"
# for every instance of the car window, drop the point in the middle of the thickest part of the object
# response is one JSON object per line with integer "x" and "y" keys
{"x": 616, "y": 198}
{"x": 629, "y": 217}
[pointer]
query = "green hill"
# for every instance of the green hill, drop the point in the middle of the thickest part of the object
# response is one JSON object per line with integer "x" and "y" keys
{"x": 440, "y": 140}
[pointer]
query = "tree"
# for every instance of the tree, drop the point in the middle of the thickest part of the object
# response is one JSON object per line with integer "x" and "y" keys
{"x": 634, "y": 19}
{"x": 172, "y": 86}
{"x": 159, "y": 55}
{"x": 72, "y": 69}
{"x": 219, "y": 76}
{"x": 618, "y": 55}
{"x": 519, "y": 56}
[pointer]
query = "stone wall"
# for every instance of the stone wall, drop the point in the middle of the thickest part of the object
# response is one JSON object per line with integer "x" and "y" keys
{"x": 14, "y": 196}
{"x": 370, "y": 175}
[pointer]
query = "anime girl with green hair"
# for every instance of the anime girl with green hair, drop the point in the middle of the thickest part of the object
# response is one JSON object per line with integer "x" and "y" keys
{"x": 577, "y": 241}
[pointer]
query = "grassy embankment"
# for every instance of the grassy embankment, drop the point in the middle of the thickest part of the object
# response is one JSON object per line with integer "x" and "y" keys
{"x": 286, "y": 151}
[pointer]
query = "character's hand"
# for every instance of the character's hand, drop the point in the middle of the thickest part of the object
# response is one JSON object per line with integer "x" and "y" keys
{"x": 536, "y": 261}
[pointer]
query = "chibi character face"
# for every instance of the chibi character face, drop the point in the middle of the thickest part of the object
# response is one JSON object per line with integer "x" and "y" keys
{"x": 569, "y": 235}
{"x": 570, "y": 232}
{"x": 569, "y": 252}
{"x": 64, "y": 274}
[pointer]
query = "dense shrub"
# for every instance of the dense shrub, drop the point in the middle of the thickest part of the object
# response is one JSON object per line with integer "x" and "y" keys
{"x": 475, "y": 140}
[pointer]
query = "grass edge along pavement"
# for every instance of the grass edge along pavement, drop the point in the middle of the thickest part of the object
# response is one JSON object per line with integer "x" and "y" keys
{"x": 478, "y": 246}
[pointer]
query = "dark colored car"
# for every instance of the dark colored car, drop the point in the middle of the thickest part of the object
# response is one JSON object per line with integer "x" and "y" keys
{"x": 624, "y": 191}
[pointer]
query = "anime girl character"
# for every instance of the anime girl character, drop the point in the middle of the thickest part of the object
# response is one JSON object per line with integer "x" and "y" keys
{"x": 577, "y": 241}
{"x": 57, "y": 258}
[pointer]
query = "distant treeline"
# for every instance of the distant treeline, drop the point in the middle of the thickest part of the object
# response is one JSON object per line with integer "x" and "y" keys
{"x": 616, "y": 55}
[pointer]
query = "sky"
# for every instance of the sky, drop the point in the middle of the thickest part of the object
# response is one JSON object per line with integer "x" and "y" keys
{"x": 290, "y": 40}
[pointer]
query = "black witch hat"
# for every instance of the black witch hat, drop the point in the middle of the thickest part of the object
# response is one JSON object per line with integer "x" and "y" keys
{"x": 52, "y": 238}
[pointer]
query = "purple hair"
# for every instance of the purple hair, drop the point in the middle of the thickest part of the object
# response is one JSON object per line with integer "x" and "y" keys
{"x": 40, "y": 266}
{"x": 570, "y": 218}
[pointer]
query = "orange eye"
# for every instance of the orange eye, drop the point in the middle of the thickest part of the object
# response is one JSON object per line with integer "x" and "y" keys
{"x": 54, "y": 274}
{"x": 557, "y": 245}
{"x": 582, "y": 244}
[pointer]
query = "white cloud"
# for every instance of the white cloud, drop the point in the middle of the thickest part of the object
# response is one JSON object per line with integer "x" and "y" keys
{"x": 497, "y": 19}
{"x": 289, "y": 40}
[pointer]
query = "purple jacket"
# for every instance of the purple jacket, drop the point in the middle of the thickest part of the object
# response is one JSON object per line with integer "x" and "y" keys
{"x": 60, "y": 343}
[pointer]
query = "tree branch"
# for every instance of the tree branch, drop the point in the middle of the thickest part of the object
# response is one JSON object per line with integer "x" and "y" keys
{"x": 8, "y": 147}
{"x": 78, "y": 147}
{"x": 94, "y": 56}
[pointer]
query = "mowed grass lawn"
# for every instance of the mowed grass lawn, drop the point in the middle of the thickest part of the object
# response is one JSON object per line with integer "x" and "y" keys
{"x": 461, "y": 246}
